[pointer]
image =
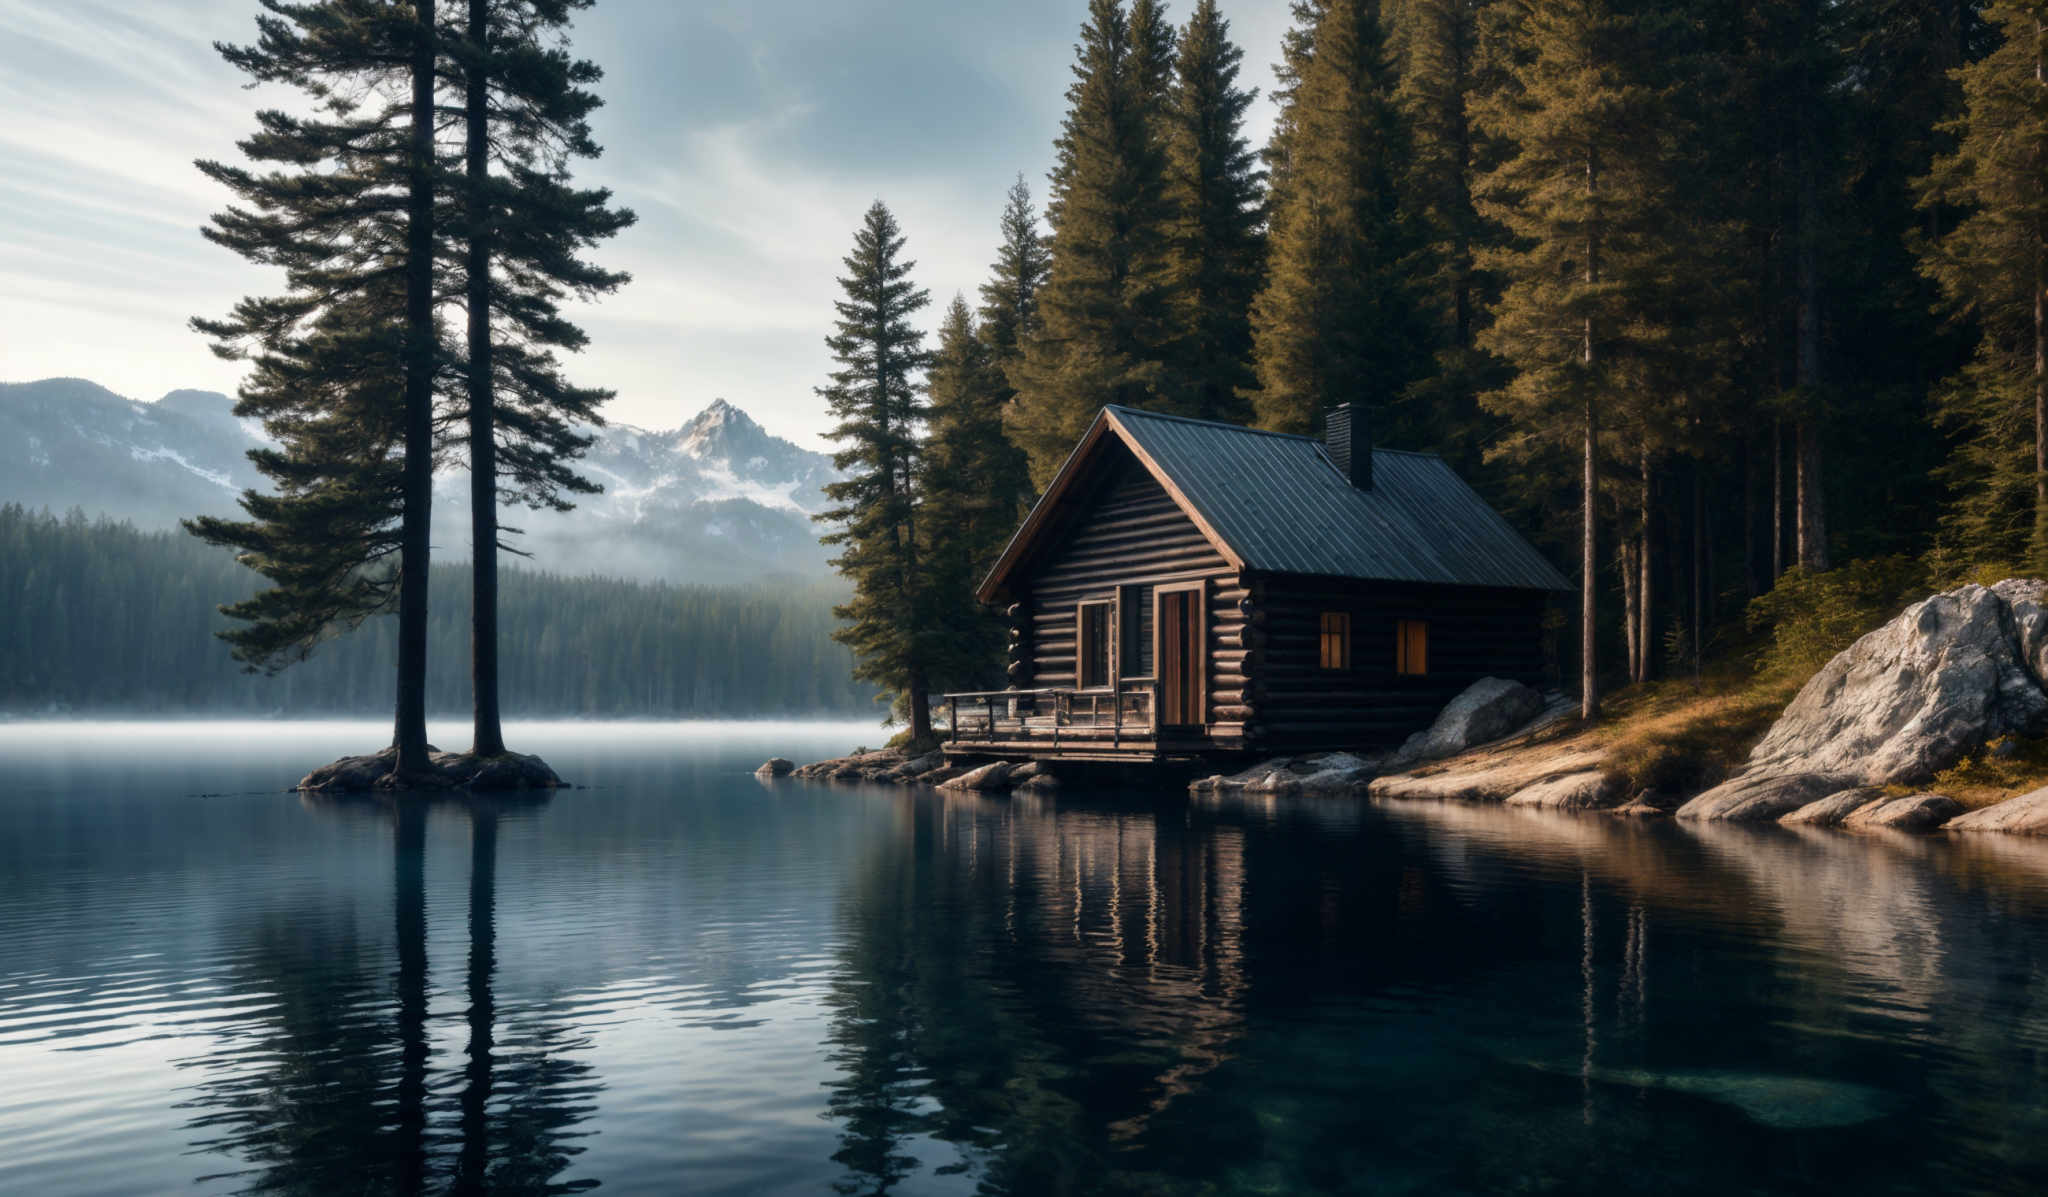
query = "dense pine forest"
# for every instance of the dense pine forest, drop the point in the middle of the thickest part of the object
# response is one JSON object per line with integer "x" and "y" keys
{"x": 103, "y": 618}
{"x": 1702, "y": 294}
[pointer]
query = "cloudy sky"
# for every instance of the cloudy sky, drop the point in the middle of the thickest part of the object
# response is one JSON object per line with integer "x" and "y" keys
{"x": 749, "y": 135}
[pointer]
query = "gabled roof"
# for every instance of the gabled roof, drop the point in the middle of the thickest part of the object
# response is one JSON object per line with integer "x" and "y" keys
{"x": 1274, "y": 503}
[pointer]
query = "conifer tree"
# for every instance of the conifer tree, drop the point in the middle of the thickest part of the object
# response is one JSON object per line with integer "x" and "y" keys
{"x": 1216, "y": 255}
{"x": 1584, "y": 196}
{"x": 876, "y": 399}
{"x": 1105, "y": 304}
{"x": 976, "y": 485}
{"x": 526, "y": 109}
{"x": 1009, "y": 299}
{"x": 346, "y": 359}
{"x": 1992, "y": 266}
{"x": 1335, "y": 319}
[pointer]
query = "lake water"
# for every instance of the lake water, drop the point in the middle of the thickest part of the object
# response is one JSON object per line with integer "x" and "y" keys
{"x": 680, "y": 979}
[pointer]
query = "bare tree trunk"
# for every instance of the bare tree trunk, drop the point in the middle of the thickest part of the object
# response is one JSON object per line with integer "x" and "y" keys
{"x": 1750, "y": 587}
{"x": 1589, "y": 677}
{"x": 1813, "y": 538}
{"x": 1646, "y": 644}
{"x": 1777, "y": 500}
{"x": 409, "y": 734}
{"x": 489, "y": 735}
{"x": 1631, "y": 602}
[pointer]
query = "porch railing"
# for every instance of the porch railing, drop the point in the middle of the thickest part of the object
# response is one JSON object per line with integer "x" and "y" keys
{"x": 1129, "y": 707}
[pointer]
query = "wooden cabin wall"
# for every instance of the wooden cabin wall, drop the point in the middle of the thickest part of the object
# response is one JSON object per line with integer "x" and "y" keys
{"x": 1125, "y": 531}
{"x": 1473, "y": 634}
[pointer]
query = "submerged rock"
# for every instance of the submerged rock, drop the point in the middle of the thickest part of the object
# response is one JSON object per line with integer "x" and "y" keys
{"x": 1487, "y": 710}
{"x": 2024, "y": 815}
{"x": 1913, "y": 812}
{"x": 505, "y": 772}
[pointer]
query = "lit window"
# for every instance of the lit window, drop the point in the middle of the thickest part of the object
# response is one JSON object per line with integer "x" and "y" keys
{"x": 1093, "y": 645}
{"x": 1336, "y": 640}
{"x": 1411, "y": 647}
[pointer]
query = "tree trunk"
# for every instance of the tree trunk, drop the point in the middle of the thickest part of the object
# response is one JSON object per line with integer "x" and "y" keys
{"x": 415, "y": 531}
{"x": 2038, "y": 547}
{"x": 489, "y": 735}
{"x": 1589, "y": 677}
{"x": 1699, "y": 564}
{"x": 1777, "y": 500}
{"x": 1813, "y": 539}
{"x": 1750, "y": 587}
{"x": 1646, "y": 643}
{"x": 1631, "y": 602}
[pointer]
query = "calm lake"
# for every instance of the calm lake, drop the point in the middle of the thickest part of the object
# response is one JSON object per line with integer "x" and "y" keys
{"x": 681, "y": 979}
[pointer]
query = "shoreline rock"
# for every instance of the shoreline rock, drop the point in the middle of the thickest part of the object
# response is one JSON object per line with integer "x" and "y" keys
{"x": 507, "y": 773}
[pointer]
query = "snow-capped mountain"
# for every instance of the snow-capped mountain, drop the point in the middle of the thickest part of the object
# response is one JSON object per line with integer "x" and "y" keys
{"x": 718, "y": 500}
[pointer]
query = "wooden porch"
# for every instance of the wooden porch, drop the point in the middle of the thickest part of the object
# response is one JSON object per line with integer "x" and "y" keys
{"x": 1118, "y": 722}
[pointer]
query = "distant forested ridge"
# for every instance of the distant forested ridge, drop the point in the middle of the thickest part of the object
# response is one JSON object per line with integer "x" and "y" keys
{"x": 101, "y": 617}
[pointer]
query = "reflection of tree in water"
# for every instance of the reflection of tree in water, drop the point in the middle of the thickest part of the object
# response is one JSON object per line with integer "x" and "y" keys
{"x": 1027, "y": 990}
{"x": 334, "y": 1091}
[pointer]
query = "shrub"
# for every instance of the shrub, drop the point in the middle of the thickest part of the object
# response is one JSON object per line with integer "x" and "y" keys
{"x": 1812, "y": 616}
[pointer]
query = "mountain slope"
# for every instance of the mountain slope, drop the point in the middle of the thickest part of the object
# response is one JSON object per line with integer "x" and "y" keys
{"x": 719, "y": 500}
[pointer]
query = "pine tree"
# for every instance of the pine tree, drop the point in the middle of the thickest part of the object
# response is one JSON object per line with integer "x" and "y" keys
{"x": 526, "y": 109}
{"x": 976, "y": 485}
{"x": 1592, "y": 264}
{"x": 1105, "y": 301}
{"x": 1009, "y": 299}
{"x": 1216, "y": 256}
{"x": 888, "y": 622}
{"x": 346, "y": 360}
{"x": 1335, "y": 320}
{"x": 1993, "y": 270}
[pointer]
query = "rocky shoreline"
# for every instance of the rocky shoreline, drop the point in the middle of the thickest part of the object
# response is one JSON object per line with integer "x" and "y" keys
{"x": 509, "y": 772}
{"x": 1947, "y": 677}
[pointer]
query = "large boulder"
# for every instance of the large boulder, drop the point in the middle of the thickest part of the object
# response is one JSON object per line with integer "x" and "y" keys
{"x": 776, "y": 766}
{"x": 1322, "y": 774}
{"x": 1763, "y": 798}
{"x": 1590, "y": 790}
{"x": 1487, "y": 710}
{"x": 2024, "y": 815}
{"x": 1922, "y": 692}
{"x": 991, "y": 777}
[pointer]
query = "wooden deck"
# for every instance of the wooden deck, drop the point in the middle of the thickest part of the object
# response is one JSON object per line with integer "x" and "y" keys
{"x": 1116, "y": 724}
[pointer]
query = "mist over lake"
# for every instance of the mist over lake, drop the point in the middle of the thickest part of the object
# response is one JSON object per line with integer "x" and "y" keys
{"x": 681, "y": 978}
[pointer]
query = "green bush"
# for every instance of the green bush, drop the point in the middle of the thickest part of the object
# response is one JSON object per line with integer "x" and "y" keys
{"x": 1809, "y": 617}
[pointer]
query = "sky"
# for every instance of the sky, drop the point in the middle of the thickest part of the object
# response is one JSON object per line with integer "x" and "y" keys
{"x": 748, "y": 135}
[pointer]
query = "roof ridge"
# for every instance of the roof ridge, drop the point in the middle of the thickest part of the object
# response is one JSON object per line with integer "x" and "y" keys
{"x": 1120, "y": 409}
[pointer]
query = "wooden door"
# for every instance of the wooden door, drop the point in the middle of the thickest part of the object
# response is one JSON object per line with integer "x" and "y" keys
{"x": 1179, "y": 656}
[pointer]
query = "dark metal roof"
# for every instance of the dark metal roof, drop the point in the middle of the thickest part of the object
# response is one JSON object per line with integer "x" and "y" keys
{"x": 1280, "y": 506}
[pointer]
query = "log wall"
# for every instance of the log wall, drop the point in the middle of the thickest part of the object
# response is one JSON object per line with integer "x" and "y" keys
{"x": 1472, "y": 634}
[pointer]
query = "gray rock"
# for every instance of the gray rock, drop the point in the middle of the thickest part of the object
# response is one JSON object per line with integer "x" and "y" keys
{"x": 1026, "y": 771}
{"x": 1590, "y": 790}
{"x": 1752, "y": 798}
{"x": 2024, "y": 815}
{"x": 1039, "y": 783}
{"x": 1326, "y": 774}
{"x": 1917, "y": 695}
{"x": 776, "y": 766}
{"x": 1489, "y": 709}
{"x": 986, "y": 778}
{"x": 510, "y": 771}
{"x": 916, "y": 768}
{"x": 1831, "y": 810}
{"x": 1912, "y": 812}
{"x": 939, "y": 777}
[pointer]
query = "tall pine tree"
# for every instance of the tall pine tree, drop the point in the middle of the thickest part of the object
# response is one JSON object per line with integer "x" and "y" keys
{"x": 1216, "y": 256}
{"x": 1335, "y": 321}
{"x": 1993, "y": 270}
{"x": 1105, "y": 303}
{"x": 879, "y": 406}
{"x": 975, "y": 487}
{"x": 346, "y": 359}
{"x": 1009, "y": 299}
{"x": 526, "y": 109}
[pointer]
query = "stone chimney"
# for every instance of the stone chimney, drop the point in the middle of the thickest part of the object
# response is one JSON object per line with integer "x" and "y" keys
{"x": 1349, "y": 443}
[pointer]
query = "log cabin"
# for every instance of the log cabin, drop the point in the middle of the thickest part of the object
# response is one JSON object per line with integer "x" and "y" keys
{"x": 1190, "y": 590}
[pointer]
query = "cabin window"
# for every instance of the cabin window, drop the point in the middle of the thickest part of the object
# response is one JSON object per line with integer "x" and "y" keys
{"x": 1411, "y": 647}
{"x": 1092, "y": 646}
{"x": 1336, "y": 640}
